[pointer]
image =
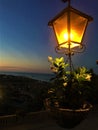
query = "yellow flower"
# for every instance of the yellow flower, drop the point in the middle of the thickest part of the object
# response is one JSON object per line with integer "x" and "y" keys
{"x": 50, "y": 59}
{"x": 50, "y": 91}
{"x": 88, "y": 77}
{"x": 65, "y": 84}
{"x": 54, "y": 69}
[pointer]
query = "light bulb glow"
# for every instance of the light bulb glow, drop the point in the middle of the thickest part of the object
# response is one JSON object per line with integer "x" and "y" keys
{"x": 64, "y": 39}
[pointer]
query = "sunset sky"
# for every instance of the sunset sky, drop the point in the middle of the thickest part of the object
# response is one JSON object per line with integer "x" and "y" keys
{"x": 26, "y": 40}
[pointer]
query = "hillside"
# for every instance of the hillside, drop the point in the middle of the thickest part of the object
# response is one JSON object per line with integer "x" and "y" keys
{"x": 18, "y": 93}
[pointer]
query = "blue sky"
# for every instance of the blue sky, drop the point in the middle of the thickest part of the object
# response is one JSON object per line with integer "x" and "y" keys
{"x": 26, "y": 40}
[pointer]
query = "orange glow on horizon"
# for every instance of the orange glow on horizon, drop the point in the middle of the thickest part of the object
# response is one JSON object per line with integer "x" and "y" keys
{"x": 22, "y": 69}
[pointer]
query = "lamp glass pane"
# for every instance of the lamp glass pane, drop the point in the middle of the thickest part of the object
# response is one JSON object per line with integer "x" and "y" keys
{"x": 77, "y": 26}
{"x": 60, "y": 28}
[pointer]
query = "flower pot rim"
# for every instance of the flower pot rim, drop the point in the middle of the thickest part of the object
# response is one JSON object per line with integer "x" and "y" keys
{"x": 76, "y": 110}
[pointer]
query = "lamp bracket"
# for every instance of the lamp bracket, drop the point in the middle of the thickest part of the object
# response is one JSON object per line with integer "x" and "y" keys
{"x": 66, "y": 51}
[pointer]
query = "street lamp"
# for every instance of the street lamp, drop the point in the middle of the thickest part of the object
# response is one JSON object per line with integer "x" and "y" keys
{"x": 69, "y": 27}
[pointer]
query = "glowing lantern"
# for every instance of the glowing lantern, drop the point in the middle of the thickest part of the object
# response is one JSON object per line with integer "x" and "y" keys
{"x": 69, "y": 27}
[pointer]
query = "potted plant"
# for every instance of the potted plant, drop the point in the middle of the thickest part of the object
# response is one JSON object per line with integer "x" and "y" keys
{"x": 68, "y": 94}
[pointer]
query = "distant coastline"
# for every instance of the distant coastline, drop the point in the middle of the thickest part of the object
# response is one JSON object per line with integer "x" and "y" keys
{"x": 37, "y": 76}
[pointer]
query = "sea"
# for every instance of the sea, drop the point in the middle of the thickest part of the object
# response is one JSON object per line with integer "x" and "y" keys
{"x": 37, "y": 76}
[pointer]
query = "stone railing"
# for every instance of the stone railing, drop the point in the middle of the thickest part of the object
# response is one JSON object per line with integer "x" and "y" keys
{"x": 34, "y": 117}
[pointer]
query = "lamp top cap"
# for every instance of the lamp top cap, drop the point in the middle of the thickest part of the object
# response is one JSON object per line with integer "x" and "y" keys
{"x": 69, "y": 9}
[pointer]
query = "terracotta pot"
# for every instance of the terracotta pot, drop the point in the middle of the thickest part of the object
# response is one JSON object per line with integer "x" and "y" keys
{"x": 68, "y": 118}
